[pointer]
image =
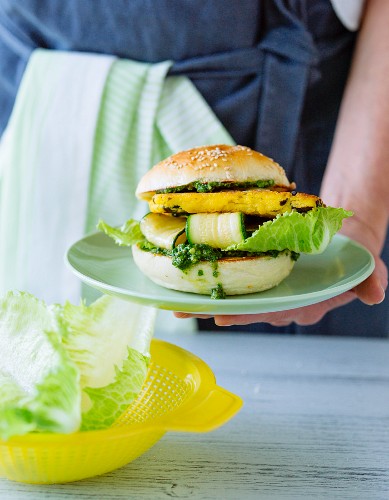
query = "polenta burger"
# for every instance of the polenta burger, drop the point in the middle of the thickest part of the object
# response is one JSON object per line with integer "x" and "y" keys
{"x": 223, "y": 220}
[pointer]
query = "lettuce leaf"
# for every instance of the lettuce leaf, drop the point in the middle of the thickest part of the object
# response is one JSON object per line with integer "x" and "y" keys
{"x": 39, "y": 383}
{"x": 309, "y": 232}
{"x": 128, "y": 234}
{"x": 109, "y": 342}
{"x": 68, "y": 367}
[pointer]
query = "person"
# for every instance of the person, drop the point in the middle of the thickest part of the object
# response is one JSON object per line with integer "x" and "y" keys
{"x": 285, "y": 77}
{"x": 357, "y": 167}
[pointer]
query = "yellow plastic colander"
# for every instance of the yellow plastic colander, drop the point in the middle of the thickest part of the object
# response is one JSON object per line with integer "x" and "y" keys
{"x": 179, "y": 394}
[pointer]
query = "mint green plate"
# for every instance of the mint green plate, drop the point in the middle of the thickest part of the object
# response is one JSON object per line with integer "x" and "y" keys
{"x": 102, "y": 264}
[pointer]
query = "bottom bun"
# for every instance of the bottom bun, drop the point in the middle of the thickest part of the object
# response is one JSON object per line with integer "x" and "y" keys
{"x": 237, "y": 276}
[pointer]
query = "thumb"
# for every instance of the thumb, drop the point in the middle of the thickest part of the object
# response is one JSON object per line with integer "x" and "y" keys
{"x": 371, "y": 291}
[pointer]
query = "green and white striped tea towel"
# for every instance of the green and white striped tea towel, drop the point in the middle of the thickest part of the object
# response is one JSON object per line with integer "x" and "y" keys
{"x": 84, "y": 129}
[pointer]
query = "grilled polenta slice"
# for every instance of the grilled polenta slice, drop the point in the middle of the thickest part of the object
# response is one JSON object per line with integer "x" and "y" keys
{"x": 261, "y": 202}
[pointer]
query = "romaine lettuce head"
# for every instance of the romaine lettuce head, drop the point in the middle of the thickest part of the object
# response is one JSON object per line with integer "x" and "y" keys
{"x": 309, "y": 232}
{"x": 109, "y": 341}
{"x": 39, "y": 383}
{"x": 68, "y": 367}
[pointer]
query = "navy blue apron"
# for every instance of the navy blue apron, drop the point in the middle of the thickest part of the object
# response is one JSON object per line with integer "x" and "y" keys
{"x": 273, "y": 71}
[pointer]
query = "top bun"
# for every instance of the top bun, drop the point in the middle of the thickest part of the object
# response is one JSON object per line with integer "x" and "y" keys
{"x": 218, "y": 163}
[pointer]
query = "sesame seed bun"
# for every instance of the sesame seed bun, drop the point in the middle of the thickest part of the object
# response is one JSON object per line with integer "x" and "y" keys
{"x": 219, "y": 163}
{"x": 237, "y": 275}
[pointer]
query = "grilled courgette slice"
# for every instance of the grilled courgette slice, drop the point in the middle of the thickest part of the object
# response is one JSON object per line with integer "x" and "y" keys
{"x": 163, "y": 231}
{"x": 218, "y": 230}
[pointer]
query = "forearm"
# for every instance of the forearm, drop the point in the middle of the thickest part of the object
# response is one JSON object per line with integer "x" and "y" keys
{"x": 357, "y": 175}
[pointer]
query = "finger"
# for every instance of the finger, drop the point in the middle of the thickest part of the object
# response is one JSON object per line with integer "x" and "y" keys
{"x": 315, "y": 313}
{"x": 382, "y": 271}
{"x": 303, "y": 316}
{"x": 246, "y": 319}
{"x": 187, "y": 315}
{"x": 370, "y": 292}
{"x": 281, "y": 323}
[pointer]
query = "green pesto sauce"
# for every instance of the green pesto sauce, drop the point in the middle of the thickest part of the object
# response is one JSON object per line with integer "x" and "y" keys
{"x": 209, "y": 187}
{"x": 218, "y": 292}
{"x": 186, "y": 255}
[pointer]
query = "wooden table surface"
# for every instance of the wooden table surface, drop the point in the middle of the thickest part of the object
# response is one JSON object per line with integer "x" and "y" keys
{"x": 315, "y": 425}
